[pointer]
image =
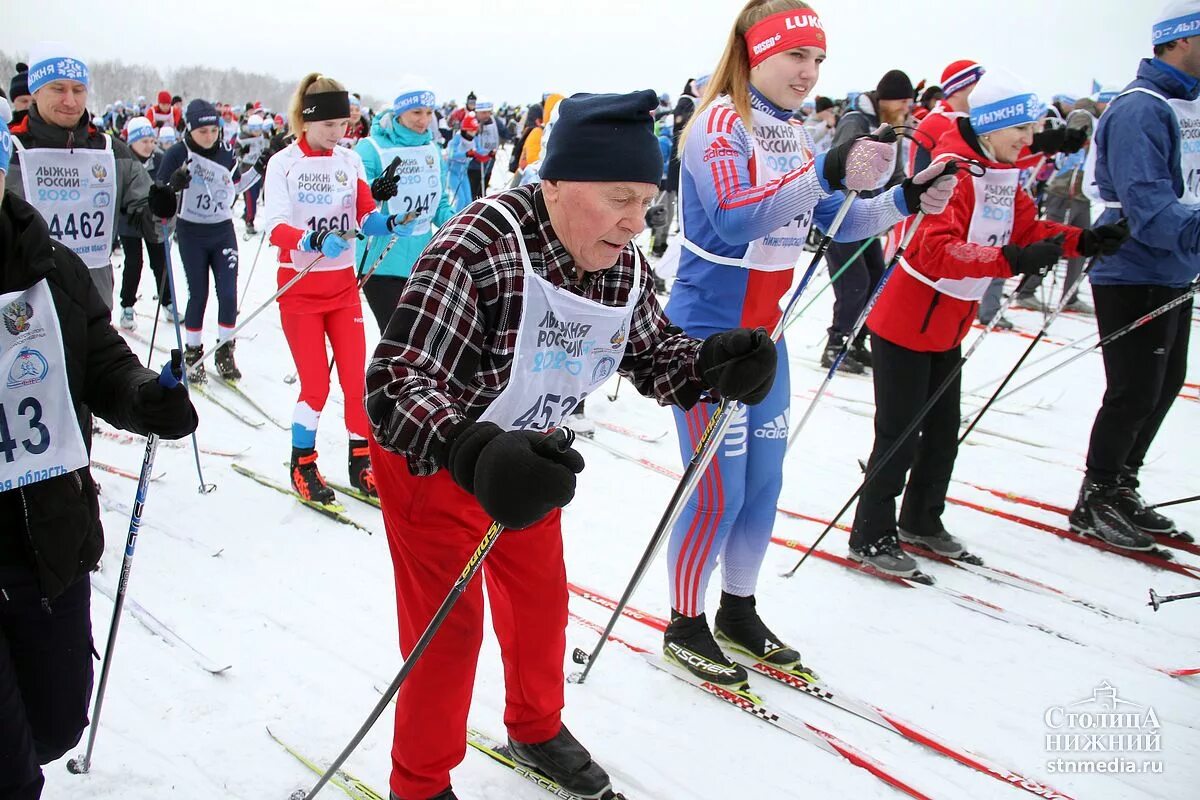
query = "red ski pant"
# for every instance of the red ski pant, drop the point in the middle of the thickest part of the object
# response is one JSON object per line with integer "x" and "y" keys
{"x": 433, "y": 528}
{"x": 306, "y": 334}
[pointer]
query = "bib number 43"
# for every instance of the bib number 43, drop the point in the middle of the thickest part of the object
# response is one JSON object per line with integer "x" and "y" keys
{"x": 31, "y": 409}
{"x": 547, "y": 412}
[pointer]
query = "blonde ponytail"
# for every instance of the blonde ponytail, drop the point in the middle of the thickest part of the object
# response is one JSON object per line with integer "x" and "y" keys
{"x": 312, "y": 83}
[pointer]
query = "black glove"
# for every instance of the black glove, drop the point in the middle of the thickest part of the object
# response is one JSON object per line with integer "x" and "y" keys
{"x": 1049, "y": 141}
{"x": 260, "y": 166}
{"x": 162, "y": 201}
{"x": 1074, "y": 141}
{"x": 518, "y": 477}
{"x": 243, "y": 149}
{"x": 162, "y": 406}
{"x": 384, "y": 187}
{"x": 1103, "y": 240}
{"x": 739, "y": 364}
{"x": 1034, "y": 259}
{"x": 180, "y": 179}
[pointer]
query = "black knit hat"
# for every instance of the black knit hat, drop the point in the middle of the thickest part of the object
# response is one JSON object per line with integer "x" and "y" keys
{"x": 895, "y": 85}
{"x": 823, "y": 104}
{"x": 604, "y": 137}
{"x": 19, "y": 85}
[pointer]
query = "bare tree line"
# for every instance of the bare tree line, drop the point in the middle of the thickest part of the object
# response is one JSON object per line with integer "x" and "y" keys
{"x": 116, "y": 80}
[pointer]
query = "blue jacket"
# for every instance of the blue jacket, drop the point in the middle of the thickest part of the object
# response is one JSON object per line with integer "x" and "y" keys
{"x": 1142, "y": 135}
{"x": 456, "y": 156}
{"x": 400, "y": 259}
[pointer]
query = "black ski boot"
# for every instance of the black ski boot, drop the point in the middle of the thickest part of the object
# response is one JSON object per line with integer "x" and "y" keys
{"x": 226, "y": 366}
{"x": 1099, "y": 513}
{"x": 195, "y": 368}
{"x": 849, "y": 364}
{"x": 1134, "y": 508}
{"x": 740, "y": 629}
{"x": 859, "y": 351}
{"x": 885, "y": 555}
{"x": 307, "y": 479}
{"x": 566, "y": 762}
{"x": 689, "y": 643}
{"x": 362, "y": 477}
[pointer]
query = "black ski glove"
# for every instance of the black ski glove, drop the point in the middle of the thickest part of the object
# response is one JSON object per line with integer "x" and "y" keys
{"x": 384, "y": 187}
{"x": 162, "y": 201}
{"x": 260, "y": 166}
{"x": 1074, "y": 141}
{"x": 1103, "y": 240}
{"x": 1034, "y": 259}
{"x": 518, "y": 477}
{"x": 739, "y": 364}
{"x": 162, "y": 406}
{"x": 180, "y": 179}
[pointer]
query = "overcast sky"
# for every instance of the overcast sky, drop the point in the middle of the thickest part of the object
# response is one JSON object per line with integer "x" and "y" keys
{"x": 515, "y": 50}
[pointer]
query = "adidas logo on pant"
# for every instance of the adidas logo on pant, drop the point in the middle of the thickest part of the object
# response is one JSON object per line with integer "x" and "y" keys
{"x": 774, "y": 429}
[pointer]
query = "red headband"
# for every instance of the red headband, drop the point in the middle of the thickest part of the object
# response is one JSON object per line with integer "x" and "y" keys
{"x": 784, "y": 31}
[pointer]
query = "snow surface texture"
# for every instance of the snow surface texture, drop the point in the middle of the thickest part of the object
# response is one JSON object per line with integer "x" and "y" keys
{"x": 303, "y": 609}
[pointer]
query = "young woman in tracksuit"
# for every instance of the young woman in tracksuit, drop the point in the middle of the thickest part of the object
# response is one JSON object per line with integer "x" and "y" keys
{"x": 316, "y": 192}
{"x": 143, "y": 142}
{"x": 750, "y": 188}
{"x": 206, "y": 173}
{"x": 421, "y": 192}
{"x": 990, "y": 230}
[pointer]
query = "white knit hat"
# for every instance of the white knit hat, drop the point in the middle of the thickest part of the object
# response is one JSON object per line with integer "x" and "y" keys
{"x": 1002, "y": 100}
{"x": 138, "y": 128}
{"x": 54, "y": 61}
{"x": 1179, "y": 20}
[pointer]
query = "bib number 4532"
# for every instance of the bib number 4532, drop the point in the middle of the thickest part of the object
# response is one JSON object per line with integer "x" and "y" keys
{"x": 547, "y": 412}
{"x": 31, "y": 408}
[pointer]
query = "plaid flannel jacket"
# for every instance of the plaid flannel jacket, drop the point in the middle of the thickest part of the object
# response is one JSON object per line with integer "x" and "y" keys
{"x": 447, "y": 352}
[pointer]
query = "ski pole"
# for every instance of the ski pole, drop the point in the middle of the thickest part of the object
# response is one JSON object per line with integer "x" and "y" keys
{"x": 204, "y": 487}
{"x": 858, "y": 325}
{"x": 1157, "y": 600}
{"x": 1178, "y": 502}
{"x": 560, "y": 440}
{"x": 1072, "y": 345}
{"x": 875, "y": 467}
{"x": 1062, "y": 304}
{"x": 613, "y": 397}
{"x": 1117, "y": 334}
{"x": 262, "y": 237}
{"x": 832, "y": 278}
{"x": 170, "y": 377}
{"x": 162, "y": 288}
{"x": 705, "y": 450}
{"x": 250, "y": 317}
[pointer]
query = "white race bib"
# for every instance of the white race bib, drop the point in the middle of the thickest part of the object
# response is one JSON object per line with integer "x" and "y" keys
{"x": 39, "y": 433}
{"x": 567, "y": 346}
{"x": 75, "y": 191}
{"x": 418, "y": 182}
{"x": 995, "y": 199}
{"x": 323, "y": 191}
{"x": 208, "y": 199}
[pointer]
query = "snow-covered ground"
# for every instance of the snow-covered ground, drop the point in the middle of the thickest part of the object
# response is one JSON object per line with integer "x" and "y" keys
{"x": 303, "y": 609}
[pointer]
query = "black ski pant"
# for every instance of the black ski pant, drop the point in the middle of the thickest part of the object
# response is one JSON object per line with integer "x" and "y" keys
{"x": 131, "y": 273}
{"x": 45, "y": 678}
{"x": 904, "y": 381}
{"x": 383, "y": 295}
{"x": 204, "y": 249}
{"x": 852, "y": 290}
{"x": 1145, "y": 370}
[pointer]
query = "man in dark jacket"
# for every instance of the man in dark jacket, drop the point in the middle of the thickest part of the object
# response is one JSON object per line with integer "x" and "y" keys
{"x": 889, "y": 103}
{"x": 60, "y": 360}
{"x": 76, "y": 176}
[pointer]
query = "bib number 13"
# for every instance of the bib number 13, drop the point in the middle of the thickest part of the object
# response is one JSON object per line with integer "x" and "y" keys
{"x": 30, "y": 410}
{"x": 547, "y": 412}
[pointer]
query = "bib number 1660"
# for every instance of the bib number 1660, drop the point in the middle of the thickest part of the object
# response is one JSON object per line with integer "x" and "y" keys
{"x": 31, "y": 408}
{"x": 547, "y": 412}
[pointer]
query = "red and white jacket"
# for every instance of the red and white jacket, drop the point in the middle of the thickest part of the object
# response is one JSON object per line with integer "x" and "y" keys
{"x": 916, "y": 315}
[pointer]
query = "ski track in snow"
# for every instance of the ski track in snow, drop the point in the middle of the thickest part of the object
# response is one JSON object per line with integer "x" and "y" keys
{"x": 303, "y": 608}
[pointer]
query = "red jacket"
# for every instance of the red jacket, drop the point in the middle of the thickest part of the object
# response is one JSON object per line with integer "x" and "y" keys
{"x": 913, "y": 314}
{"x": 172, "y": 116}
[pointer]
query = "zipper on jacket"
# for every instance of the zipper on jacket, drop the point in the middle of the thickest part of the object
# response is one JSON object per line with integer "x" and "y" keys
{"x": 32, "y": 547}
{"x": 933, "y": 304}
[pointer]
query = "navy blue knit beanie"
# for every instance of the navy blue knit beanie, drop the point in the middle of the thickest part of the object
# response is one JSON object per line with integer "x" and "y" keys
{"x": 200, "y": 113}
{"x": 604, "y": 137}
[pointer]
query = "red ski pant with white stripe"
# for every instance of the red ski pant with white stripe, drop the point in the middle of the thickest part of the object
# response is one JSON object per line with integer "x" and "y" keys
{"x": 433, "y": 528}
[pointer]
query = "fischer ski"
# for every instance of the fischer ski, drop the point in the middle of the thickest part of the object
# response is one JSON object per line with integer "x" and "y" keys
{"x": 121, "y": 437}
{"x": 350, "y": 491}
{"x": 333, "y": 511}
{"x": 124, "y": 473}
{"x": 500, "y": 754}
{"x": 630, "y": 432}
{"x": 210, "y": 396}
{"x": 233, "y": 387}
{"x": 163, "y": 631}
{"x": 839, "y": 699}
{"x": 342, "y": 779}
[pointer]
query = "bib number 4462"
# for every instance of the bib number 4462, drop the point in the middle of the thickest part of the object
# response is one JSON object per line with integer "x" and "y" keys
{"x": 31, "y": 409}
{"x": 86, "y": 225}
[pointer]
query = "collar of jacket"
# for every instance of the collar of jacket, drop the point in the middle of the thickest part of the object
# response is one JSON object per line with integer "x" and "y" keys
{"x": 209, "y": 153}
{"x": 1173, "y": 83}
{"x": 36, "y": 132}
{"x": 759, "y": 101}
{"x": 25, "y": 246}
{"x": 963, "y": 141}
